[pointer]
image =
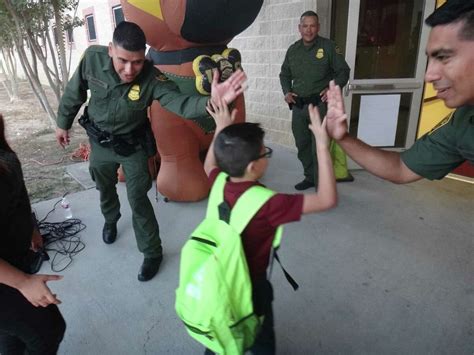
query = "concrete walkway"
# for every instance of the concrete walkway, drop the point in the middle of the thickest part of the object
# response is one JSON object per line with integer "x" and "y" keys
{"x": 389, "y": 271}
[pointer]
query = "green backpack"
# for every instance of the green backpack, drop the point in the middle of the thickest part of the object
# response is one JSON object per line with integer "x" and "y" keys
{"x": 214, "y": 296}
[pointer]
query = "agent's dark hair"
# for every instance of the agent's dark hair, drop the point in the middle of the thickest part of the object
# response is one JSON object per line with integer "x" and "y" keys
{"x": 236, "y": 146}
{"x": 129, "y": 36}
{"x": 455, "y": 11}
{"x": 309, "y": 13}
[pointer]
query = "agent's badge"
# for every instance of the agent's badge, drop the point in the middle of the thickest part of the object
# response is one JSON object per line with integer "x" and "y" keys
{"x": 134, "y": 93}
{"x": 320, "y": 53}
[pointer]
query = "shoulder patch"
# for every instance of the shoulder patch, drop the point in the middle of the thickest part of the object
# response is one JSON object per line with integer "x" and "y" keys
{"x": 337, "y": 49}
{"x": 441, "y": 123}
{"x": 162, "y": 77}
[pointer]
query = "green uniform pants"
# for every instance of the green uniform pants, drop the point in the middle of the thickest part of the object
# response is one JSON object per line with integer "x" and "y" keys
{"x": 305, "y": 144}
{"x": 104, "y": 163}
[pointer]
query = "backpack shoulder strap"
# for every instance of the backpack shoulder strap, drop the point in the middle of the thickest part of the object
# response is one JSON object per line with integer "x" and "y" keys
{"x": 248, "y": 205}
{"x": 216, "y": 196}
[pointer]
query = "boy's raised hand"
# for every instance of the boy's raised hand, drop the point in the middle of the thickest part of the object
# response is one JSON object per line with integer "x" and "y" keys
{"x": 317, "y": 127}
{"x": 336, "y": 116}
{"x": 219, "y": 110}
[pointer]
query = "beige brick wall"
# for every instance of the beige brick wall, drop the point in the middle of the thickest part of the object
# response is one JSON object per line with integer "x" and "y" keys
{"x": 263, "y": 46}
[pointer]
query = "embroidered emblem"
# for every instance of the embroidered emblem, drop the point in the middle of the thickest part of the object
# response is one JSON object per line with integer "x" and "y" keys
{"x": 320, "y": 53}
{"x": 441, "y": 123}
{"x": 134, "y": 93}
{"x": 338, "y": 50}
{"x": 162, "y": 77}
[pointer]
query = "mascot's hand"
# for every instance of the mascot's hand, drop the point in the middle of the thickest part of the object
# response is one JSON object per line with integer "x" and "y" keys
{"x": 229, "y": 89}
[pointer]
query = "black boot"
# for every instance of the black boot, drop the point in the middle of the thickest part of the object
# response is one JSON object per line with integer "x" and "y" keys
{"x": 149, "y": 268}
{"x": 303, "y": 185}
{"x": 109, "y": 233}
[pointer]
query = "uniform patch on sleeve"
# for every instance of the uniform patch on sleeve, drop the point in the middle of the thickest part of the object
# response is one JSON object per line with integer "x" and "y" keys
{"x": 441, "y": 123}
{"x": 338, "y": 50}
{"x": 320, "y": 53}
{"x": 162, "y": 77}
{"x": 134, "y": 93}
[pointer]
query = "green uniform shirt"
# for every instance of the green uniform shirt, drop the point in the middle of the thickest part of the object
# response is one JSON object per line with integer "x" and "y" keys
{"x": 119, "y": 107}
{"x": 307, "y": 70}
{"x": 444, "y": 148}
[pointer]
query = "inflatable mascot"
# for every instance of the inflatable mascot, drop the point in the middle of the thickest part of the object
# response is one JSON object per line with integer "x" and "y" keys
{"x": 188, "y": 39}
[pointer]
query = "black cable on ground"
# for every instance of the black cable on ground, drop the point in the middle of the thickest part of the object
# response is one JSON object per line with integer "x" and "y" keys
{"x": 62, "y": 239}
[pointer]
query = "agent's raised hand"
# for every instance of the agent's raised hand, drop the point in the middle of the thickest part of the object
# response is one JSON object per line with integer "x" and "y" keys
{"x": 336, "y": 116}
{"x": 229, "y": 89}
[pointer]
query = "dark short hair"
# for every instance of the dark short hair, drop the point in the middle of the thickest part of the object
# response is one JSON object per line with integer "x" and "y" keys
{"x": 454, "y": 11}
{"x": 236, "y": 146}
{"x": 309, "y": 13}
{"x": 129, "y": 36}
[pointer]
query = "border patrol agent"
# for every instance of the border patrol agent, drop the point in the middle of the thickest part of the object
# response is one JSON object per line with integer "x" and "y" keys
{"x": 122, "y": 85}
{"x": 309, "y": 65}
{"x": 450, "y": 52}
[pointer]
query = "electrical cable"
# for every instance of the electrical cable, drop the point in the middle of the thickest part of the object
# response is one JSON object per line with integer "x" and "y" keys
{"x": 62, "y": 239}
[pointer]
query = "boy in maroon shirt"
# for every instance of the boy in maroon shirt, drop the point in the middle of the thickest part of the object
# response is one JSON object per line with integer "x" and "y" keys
{"x": 238, "y": 150}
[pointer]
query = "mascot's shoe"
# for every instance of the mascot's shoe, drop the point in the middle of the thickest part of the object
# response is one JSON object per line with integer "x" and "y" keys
{"x": 109, "y": 233}
{"x": 348, "y": 178}
{"x": 304, "y": 185}
{"x": 149, "y": 268}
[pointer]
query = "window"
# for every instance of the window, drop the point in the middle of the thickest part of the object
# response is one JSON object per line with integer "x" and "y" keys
{"x": 118, "y": 14}
{"x": 91, "y": 28}
{"x": 70, "y": 35}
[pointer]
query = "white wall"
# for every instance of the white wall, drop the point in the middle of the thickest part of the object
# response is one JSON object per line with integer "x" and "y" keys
{"x": 263, "y": 46}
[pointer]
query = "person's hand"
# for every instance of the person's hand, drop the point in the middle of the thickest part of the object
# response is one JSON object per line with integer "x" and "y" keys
{"x": 35, "y": 290}
{"x": 336, "y": 117}
{"x": 229, "y": 89}
{"x": 317, "y": 127}
{"x": 324, "y": 95}
{"x": 62, "y": 137}
{"x": 220, "y": 112}
{"x": 36, "y": 240}
{"x": 290, "y": 97}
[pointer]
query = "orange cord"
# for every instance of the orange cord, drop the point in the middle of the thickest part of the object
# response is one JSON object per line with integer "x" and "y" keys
{"x": 82, "y": 152}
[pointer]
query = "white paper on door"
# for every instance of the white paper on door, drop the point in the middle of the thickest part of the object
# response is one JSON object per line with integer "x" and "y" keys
{"x": 378, "y": 117}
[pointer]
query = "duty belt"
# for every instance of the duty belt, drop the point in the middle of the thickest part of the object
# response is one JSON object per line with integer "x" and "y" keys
{"x": 300, "y": 102}
{"x": 123, "y": 144}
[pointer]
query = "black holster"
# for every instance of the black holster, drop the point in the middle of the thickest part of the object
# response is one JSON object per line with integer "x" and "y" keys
{"x": 98, "y": 135}
{"x": 300, "y": 102}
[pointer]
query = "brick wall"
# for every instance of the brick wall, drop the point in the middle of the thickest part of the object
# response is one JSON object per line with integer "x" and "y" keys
{"x": 263, "y": 46}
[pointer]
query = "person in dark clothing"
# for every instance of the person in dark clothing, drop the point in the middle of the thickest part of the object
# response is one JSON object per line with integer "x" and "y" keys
{"x": 30, "y": 320}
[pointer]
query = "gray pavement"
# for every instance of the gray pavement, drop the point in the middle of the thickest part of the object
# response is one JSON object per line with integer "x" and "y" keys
{"x": 389, "y": 271}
